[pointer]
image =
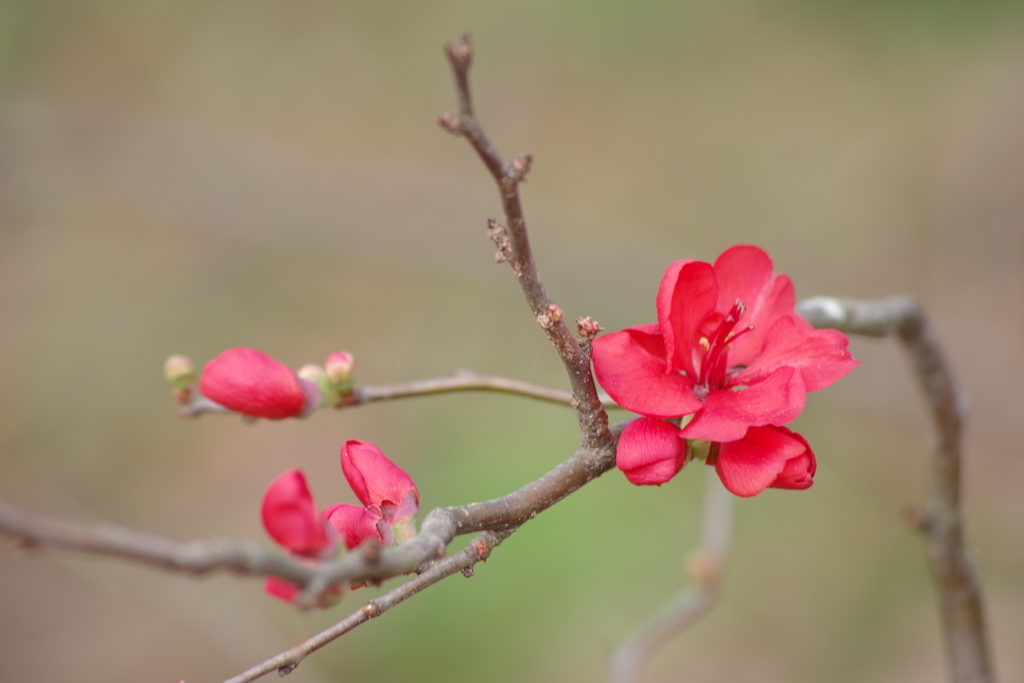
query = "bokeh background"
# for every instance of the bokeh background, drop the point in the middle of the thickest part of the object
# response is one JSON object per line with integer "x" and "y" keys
{"x": 189, "y": 176}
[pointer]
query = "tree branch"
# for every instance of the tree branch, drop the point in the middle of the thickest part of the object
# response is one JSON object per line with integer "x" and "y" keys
{"x": 460, "y": 380}
{"x": 368, "y": 563}
{"x": 705, "y": 565}
{"x": 463, "y": 561}
{"x": 942, "y": 524}
{"x": 513, "y": 246}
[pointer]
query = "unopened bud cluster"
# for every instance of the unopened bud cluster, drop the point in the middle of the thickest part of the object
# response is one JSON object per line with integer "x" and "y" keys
{"x": 251, "y": 382}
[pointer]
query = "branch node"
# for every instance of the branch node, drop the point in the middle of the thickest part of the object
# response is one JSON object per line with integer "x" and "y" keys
{"x": 917, "y": 519}
{"x": 451, "y": 122}
{"x": 460, "y": 51}
{"x": 588, "y": 328}
{"x": 549, "y": 318}
{"x": 370, "y": 610}
{"x": 283, "y": 671}
{"x": 482, "y": 549}
{"x": 468, "y": 572}
{"x": 519, "y": 167}
{"x": 498, "y": 233}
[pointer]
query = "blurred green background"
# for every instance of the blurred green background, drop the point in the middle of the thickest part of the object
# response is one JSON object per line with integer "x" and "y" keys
{"x": 188, "y": 176}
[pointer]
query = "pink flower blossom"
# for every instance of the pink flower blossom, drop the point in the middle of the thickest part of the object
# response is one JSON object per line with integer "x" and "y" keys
{"x": 651, "y": 452}
{"x": 767, "y": 457}
{"x": 356, "y": 524}
{"x": 378, "y": 482}
{"x": 291, "y": 518}
{"x": 390, "y": 501}
{"x": 250, "y": 382}
{"x": 339, "y": 367}
{"x": 727, "y": 349}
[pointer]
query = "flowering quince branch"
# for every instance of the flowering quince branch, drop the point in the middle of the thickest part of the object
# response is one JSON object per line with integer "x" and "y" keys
{"x": 942, "y": 521}
{"x": 705, "y": 567}
{"x": 513, "y": 247}
{"x": 463, "y": 561}
{"x": 366, "y": 563}
{"x": 195, "y": 404}
{"x": 728, "y": 363}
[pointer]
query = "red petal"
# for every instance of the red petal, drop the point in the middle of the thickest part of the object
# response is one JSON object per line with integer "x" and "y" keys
{"x": 686, "y": 297}
{"x": 820, "y": 356}
{"x": 290, "y": 516}
{"x": 374, "y": 478}
{"x": 650, "y": 451}
{"x": 630, "y": 365}
{"x": 753, "y": 463}
{"x": 281, "y": 589}
{"x": 776, "y": 302}
{"x": 743, "y": 272}
{"x": 250, "y": 382}
{"x": 726, "y": 414}
{"x": 354, "y": 523}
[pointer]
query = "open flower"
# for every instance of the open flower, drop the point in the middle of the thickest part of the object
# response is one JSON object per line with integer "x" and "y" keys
{"x": 727, "y": 349}
{"x": 250, "y": 382}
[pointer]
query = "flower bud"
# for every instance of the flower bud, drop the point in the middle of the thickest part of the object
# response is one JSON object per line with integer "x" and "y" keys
{"x": 766, "y": 457}
{"x": 650, "y": 451}
{"x": 340, "y": 366}
{"x": 291, "y": 518}
{"x": 315, "y": 374}
{"x": 356, "y": 524}
{"x": 250, "y": 382}
{"x": 179, "y": 372}
{"x": 379, "y": 482}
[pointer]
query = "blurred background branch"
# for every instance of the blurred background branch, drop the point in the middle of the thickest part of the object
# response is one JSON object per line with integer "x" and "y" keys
{"x": 705, "y": 567}
{"x": 960, "y": 602}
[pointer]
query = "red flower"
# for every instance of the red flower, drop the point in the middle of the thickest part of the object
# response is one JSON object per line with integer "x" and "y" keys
{"x": 390, "y": 501}
{"x": 291, "y": 518}
{"x": 378, "y": 482}
{"x": 356, "y": 524}
{"x": 767, "y": 457}
{"x": 651, "y": 452}
{"x": 250, "y": 382}
{"x": 727, "y": 349}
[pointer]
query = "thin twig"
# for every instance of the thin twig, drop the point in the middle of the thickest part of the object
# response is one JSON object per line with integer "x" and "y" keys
{"x": 460, "y": 380}
{"x": 439, "y": 527}
{"x": 513, "y": 246}
{"x": 941, "y": 523}
{"x": 706, "y": 565}
{"x": 463, "y": 561}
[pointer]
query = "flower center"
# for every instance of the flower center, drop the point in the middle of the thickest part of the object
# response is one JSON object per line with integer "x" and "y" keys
{"x": 714, "y": 364}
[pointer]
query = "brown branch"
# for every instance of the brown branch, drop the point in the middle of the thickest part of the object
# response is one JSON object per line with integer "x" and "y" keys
{"x": 460, "y": 380}
{"x": 706, "y": 565}
{"x": 192, "y": 557}
{"x": 370, "y": 563}
{"x": 463, "y": 561}
{"x": 514, "y": 247}
{"x": 942, "y": 521}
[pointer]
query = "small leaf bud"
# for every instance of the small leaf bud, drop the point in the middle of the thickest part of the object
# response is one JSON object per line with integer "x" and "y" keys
{"x": 328, "y": 397}
{"x": 179, "y": 372}
{"x": 340, "y": 366}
